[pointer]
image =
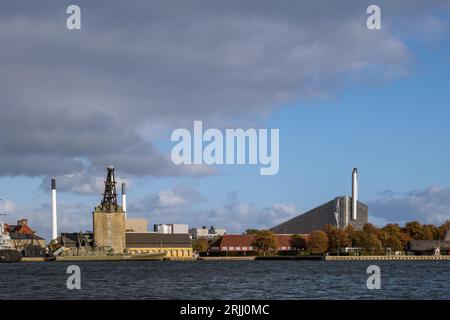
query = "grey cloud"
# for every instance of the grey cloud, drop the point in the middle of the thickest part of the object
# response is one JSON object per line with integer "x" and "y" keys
{"x": 139, "y": 70}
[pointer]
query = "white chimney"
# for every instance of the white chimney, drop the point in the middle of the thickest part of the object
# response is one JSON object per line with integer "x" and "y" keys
{"x": 354, "y": 193}
{"x": 54, "y": 217}
{"x": 124, "y": 199}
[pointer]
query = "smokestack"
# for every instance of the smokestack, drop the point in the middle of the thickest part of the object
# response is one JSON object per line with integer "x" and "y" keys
{"x": 124, "y": 199}
{"x": 354, "y": 193}
{"x": 54, "y": 217}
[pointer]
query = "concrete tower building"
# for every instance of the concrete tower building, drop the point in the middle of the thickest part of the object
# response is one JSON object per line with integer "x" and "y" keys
{"x": 109, "y": 218}
{"x": 54, "y": 212}
{"x": 124, "y": 199}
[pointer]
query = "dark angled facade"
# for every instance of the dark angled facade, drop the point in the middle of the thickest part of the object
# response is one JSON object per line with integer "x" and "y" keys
{"x": 337, "y": 212}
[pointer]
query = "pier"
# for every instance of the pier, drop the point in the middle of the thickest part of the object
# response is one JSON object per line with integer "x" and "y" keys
{"x": 387, "y": 258}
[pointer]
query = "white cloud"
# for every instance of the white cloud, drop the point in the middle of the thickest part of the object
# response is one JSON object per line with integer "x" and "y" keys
{"x": 181, "y": 205}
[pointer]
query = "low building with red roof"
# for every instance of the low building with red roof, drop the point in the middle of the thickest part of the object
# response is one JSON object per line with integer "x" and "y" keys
{"x": 21, "y": 227}
{"x": 242, "y": 244}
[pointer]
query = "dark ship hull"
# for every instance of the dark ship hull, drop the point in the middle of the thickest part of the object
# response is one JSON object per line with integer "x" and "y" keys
{"x": 9, "y": 255}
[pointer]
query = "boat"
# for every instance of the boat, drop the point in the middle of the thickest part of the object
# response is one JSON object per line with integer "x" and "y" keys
{"x": 158, "y": 256}
{"x": 7, "y": 252}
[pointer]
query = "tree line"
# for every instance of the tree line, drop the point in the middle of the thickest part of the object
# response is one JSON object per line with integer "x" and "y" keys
{"x": 371, "y": 239}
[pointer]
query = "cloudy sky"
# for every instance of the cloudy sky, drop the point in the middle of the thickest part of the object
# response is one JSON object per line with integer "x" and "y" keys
{"x": 74, "y": 101}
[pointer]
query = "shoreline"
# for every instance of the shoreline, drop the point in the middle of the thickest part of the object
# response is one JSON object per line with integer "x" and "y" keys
{"x": 387, "y": 258}
{"x": 272, "y": 258}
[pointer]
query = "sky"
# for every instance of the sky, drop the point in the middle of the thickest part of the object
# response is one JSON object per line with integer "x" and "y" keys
{"x": 73, "y": 102}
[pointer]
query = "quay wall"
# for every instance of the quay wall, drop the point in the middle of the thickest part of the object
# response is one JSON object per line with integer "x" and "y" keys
{"x": 386, "y": 258}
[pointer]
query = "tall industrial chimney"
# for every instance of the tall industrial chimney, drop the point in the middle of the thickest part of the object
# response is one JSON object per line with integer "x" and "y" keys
{"x": 54, "y": 217}
{"x": 124, "y": 199}
{"x": 354, "y": 193}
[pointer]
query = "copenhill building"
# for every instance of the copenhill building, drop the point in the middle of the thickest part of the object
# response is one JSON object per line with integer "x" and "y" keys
{"x": 340, "y": 212}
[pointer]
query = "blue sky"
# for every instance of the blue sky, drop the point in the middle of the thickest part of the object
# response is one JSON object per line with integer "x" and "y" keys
{"x": 356, "y": 98}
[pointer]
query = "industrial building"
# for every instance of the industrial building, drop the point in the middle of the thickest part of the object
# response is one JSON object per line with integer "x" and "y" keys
{"x": 242, "y": 244}
{"x": 174, "y": 245}
{"x": 205, "y": 233}
{"x": 173, "y": 228}
{"x": 340, "y": 212}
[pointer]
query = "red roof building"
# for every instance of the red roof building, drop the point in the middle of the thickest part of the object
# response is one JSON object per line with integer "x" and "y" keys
{"x": 21, "y": 227}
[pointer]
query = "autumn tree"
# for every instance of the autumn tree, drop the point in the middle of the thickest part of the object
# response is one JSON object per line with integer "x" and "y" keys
{"x": 265, "y": 241}
{"x": 251, "y": 231}
{"x": 337, "y": 238}
{"x": 368, "y": 241}
{"x": 418, "y": 232}
{"x": 392, "y": 242}
{"x": 394, "y": 234}
{"x": 298, "y": 242}
{"x": 317, "y": 242}
{"x": 443, "y": 229}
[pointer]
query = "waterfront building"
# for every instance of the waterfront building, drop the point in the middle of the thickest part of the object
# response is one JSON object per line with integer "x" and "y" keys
{"x": 205, "y": 233}
{"x": 21, "y": 227}
{"x": 29, "y": 245}
{"x": 174, "y": 245}
{"x": 24, "y": 239}
{"x": 242, "y": 244}
{"x": 428, "y": 247}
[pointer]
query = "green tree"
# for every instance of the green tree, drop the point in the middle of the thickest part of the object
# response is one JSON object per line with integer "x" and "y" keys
{"x": 317, "y": 242}
{"x": 200, "y": 245}
{"x": 430, "y": 232}
{"x": 443, "y": 229}
{"x": 368, "y": 241}
{"x": 298, "y": 242}
{"x": 265, "y": 241}
{"x": 393, "y": 242}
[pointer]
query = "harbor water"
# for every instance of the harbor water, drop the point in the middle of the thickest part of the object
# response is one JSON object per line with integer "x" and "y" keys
{"x": 226, "y": 280}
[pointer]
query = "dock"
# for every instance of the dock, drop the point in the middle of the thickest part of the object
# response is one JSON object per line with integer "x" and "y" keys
{"x": 387, "y": 258}
{"x": 33, "y": 259}
{"x": 246, "y": 258}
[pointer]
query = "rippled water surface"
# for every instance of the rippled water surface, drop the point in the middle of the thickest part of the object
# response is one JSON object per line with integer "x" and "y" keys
{"x": 227, "y": 280}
